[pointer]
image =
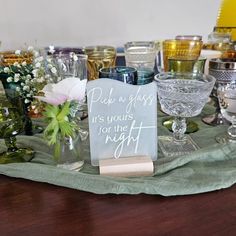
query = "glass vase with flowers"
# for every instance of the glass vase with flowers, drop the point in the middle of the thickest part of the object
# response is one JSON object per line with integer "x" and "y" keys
{"x": 62, "y": 102}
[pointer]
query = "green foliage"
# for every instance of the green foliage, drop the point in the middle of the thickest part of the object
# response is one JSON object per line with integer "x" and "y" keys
{"x": 60, "y": 125}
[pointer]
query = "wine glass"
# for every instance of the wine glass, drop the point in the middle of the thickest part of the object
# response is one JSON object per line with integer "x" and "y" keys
{"x": 227, "y": 101}
{"x": 11, "y": 124}
{"x": 181, "y": 95}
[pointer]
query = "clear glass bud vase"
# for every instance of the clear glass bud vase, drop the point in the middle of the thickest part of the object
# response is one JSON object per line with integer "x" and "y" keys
{"x": 70, "y": 154}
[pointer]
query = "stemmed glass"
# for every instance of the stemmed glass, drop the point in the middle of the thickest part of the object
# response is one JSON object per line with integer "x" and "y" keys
{"x": 224, "y": 70}
{"x": 227, "y": 101}
{"x": 11, "y": 124}
{"x": 181, "y": 95}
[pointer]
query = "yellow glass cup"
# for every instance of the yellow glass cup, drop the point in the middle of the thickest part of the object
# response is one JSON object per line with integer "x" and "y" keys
{"x": 99, "y": 57}
{"x": 8, "y": 58}
{"x": 181, "y": 49}
{"x": 187, "y": 65}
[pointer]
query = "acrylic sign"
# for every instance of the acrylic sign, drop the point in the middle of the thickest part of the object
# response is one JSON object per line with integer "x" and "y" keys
{"x": 122, "y": 119}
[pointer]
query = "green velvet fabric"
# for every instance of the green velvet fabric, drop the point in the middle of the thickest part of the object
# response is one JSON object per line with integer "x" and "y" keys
{"x": 213, "y": 167}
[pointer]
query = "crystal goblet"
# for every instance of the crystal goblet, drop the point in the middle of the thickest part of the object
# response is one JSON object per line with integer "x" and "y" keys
{"x": 181, "y": 95}
{"x": 177, "y": 65}
{"x": 227, "y": 101}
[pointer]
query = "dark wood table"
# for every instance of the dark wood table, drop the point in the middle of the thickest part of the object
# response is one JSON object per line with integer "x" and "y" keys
{"x": 31, "y": 208}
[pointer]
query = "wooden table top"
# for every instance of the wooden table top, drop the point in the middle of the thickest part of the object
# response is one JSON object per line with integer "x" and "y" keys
{"x": 31, "y": 208}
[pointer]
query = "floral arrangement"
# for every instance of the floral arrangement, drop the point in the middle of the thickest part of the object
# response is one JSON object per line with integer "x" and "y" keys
{"x": 63, "y": 100}
{"x": 29, "y": 76}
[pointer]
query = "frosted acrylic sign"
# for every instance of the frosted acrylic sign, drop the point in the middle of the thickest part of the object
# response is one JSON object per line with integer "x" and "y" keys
{"x": 122, "y": 119}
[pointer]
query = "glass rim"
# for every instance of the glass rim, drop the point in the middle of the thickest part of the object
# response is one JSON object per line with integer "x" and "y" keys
{"x": 99, "y": 48}
{"x": 143, "y": 43}
{"x": 168, "y": 76}
{"x": 64, "y": 54}
{"x": 115, "y": 70}
{"x": 182, "y": 41}
{"x": 189, "y": 37}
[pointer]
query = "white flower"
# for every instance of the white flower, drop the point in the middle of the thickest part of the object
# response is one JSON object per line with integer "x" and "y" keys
{"x": 49, "y": 66}
{"x": 16, "y": 63}
{"x": 35, "y": 72}
{"x": 6, "y": 69}
{"x": 75, "y": 57}
{"x": 36, "y": 53}
{"x": 51, "y": 49}
{"x": 30, "y": 48}
{"x": 17, "y": 75}
{"x": 27, "y": 100}
{"x": 16, "y": 80}
{"x": 40, "y": 80}
{"x": 18, "y": 52}
{"x": 38, "y": 59}
{"x": 9, "y": 79}
{"x": 18, "y": 89}
{"x": 26, "y": 88}
{"x": 69, "y": 89}
{"x": 24, "y": 63}
{"x": 54, "y": 70}
{"x": 38, "y": 65}
{"x": 28, "y": 76}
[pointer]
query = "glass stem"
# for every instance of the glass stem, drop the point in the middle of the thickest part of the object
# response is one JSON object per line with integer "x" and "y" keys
{"x": 11, "y": 144}
{"x": 179, "y": 127}
{"x": 232, "y": 129}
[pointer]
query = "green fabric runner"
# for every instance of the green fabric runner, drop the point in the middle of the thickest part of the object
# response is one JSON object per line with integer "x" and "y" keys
{"x": 211, "y": 168}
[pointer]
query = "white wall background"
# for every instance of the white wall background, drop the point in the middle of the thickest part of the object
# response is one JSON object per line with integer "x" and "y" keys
{"x": 112, "y": 22}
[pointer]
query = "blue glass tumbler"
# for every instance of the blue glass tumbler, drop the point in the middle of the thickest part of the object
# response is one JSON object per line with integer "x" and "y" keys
{"x": 124, "y": 74}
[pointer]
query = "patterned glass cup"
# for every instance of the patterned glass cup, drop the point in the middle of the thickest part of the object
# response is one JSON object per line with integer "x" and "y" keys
{"x": 140, "y": 54}
{"x": 181, "y": 95}
{"x": 181, "y": 49}
{"x": 99, "y": 57}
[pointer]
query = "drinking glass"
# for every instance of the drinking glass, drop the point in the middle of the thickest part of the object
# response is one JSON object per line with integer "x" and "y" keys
{"x": 11, "y": 124}
{"x": 181, "y": 95}
{"x": 224, "y": 70}
{"x": 140, "y": 54}
{"x": 189, "y": 37}
{"x": 227, "y": 101}
{"x": 145, "y": 76}
{"x": 182, "y": 49}
{"x": 72, "y": 65}
{"x": 124, "y": 74}
{"x": 183, "y": 66}
{"x": 99, "y": 57}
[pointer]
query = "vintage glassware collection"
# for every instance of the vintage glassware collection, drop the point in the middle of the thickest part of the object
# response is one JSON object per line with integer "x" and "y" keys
{"x": 180, "y": 67}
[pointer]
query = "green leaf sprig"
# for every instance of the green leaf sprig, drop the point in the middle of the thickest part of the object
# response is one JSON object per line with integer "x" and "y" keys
{"x": 60, "y": 125}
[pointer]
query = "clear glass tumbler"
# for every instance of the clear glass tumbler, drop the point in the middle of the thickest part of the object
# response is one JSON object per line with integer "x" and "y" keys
{"x": 140, "y": 54}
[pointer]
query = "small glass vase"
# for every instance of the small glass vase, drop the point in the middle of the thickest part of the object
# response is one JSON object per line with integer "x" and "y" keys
{"x": 71, "y": 153}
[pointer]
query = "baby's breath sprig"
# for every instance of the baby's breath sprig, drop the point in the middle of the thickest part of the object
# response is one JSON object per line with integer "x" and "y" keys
{"x": 29, "y": 77}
